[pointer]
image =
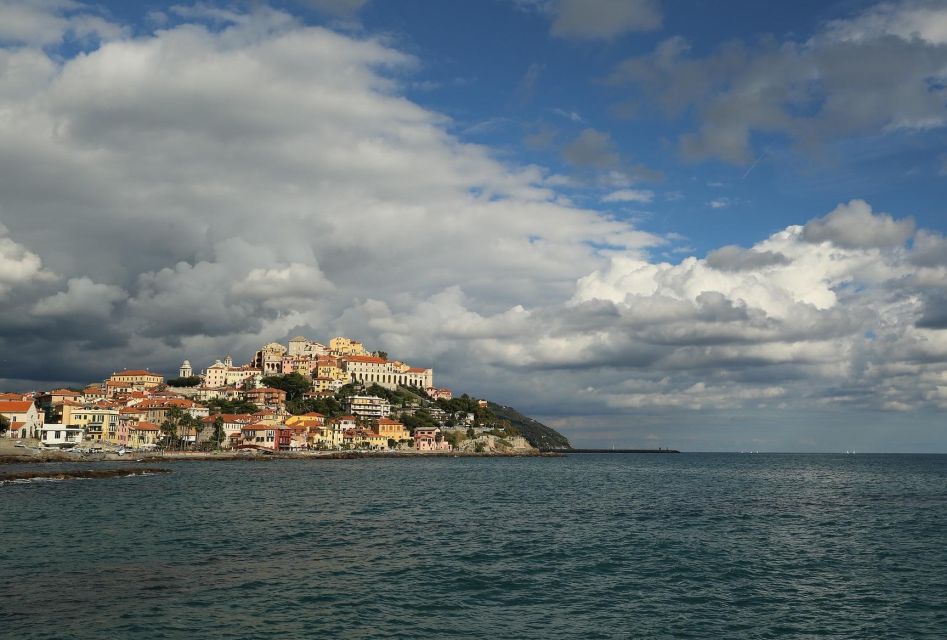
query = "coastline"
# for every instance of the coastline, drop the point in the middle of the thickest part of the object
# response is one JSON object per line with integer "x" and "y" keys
{"x": 43, "y": 457}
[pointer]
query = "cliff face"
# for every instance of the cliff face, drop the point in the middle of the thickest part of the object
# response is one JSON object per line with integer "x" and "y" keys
{"x": 496, "y": 444}
{"x": 534, "y": 432}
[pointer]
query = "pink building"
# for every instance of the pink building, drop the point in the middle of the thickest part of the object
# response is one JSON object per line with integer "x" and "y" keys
{"x": 425, "y": 439}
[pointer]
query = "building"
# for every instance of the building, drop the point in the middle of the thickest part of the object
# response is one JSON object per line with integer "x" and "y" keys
{"x": 25, "y": 419}
{"x": 300, "y": 346}
{"x": 269, "y": 359}
{"x": 439, "y": 394}
{"x": 186, "y": 371}
{"x": 428, "y": 439}
{"x": 370, "y": 407}
{"x": 340, "y": 346}
{"x": 265, "y": 397}
{"x": 388, "y": 374}
{"x": 137, "y": 379}
{"x": 143, "y": 435}
{"x": 225, "y": 374}
{"x": 392, "y": 430}
{"x": 60, "y": 436}
{"x": 51, "y": 402}
{"x": 265, "y": 436}
{"x": 99, "y": 422}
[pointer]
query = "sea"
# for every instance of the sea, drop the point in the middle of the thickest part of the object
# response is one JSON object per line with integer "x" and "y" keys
{"x": 578, "y": 546}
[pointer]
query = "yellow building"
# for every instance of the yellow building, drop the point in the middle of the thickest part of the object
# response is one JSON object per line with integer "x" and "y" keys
{"x": 143, "y": 435}
{"x": 100, "y": 423}
{"x": 346, "y": 347}
{"x": 393, "y": 430}
{"x": 138, "y": 378}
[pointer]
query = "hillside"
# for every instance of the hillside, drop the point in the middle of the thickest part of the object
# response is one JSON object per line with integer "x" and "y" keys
{"x": 536, "y": 433}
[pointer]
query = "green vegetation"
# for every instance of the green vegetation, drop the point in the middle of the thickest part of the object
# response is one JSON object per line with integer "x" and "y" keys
{"x": 221, "y": 405}
{"x": 179, "y": 424}
{"x": 329, "y": 406}
{"x": 294, "y": 384}
{"x": 4, "y": 424}
{"x": 189, "y": 381}
{"x": 536, "y": 433}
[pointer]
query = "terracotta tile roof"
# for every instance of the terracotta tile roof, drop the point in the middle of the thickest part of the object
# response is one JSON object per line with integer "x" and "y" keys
{"x": 366, "y": 359}
{"x": 137, "y": 372}
{"x": 15, "y": 406}
{"x": 145, "y": 426}
{"x": 416, "y": 370}
{"x": 63, "y": 392}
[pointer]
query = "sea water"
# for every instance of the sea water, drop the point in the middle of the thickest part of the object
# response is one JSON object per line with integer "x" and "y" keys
{"x": 581, "y": 546}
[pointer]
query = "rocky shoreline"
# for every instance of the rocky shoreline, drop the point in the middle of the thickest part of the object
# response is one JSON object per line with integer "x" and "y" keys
{"x": 79, "y": 474}
{"x": 148, "y": 458}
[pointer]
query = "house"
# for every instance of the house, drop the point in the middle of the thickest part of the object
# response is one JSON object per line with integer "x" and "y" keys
{"x": 25, "y": 419}
{"x": 265, "y": 436}
{"x": 99, "y": 422}
{"x": 265, "y": 397}
{"x": 371, "y": 407}
{"x": 60, "y": 436}
{"x": 442, "y": 393}
{"x": 233, "y": 424}
{"x": 427, "y": 439}
{"x": 143, "y": 435}
{"x": 346, "y": 347}
{"x": 392, "y": 430}
{"x": 51, "y": 402}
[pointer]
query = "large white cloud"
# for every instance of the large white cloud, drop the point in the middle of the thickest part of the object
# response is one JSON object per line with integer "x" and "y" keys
{"x": 232, "y": 179}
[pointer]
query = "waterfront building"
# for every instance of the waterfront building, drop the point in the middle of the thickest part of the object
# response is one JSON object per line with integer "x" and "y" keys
{"x": 426, "y": 439}
{"x": 60, "y": 436}
{"x": 25, "y": 419}
{"x": 392, "y": 430}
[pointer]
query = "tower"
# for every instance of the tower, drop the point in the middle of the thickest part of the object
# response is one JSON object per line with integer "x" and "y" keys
{"x": 186, "y": 371}
{"x": 228, "y": 361}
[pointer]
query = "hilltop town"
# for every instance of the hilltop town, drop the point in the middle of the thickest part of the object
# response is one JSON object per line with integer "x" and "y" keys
{"x": 302, "y": 396}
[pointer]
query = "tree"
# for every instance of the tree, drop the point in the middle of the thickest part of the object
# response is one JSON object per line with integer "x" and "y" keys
{"x": 221, "y": 405}
{"x": 294, "y": 384}
{"x": 177, "y": 424}
{"x": 4, "y": 424}
{"x": 381, "y": 354}
{"x": 218, "y": 431}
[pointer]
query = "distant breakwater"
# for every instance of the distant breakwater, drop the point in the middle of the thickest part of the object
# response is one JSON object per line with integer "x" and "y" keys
{"x": 621, "y": 451}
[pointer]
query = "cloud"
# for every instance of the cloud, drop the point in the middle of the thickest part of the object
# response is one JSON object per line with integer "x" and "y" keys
{"x": 810, "y": 92}
{"x": 719, "y": 203}
{"x": 82, "y": 297}
{"x": 854, "y": 225}
{"x": 526, "y": 88}
{"x": 18, "y": 265}
{"x": 207, "y": 190}
{"x": 593, "y": 149}
{"x": 733, "y": 258}
{"x": 50, "y": 22}
{"x": 602, "y": 19}
{"x": 630, "y": 195}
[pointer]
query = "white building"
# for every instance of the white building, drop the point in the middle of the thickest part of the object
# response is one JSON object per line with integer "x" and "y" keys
{"x": 60, "y": 436}
{"x": 300, "y": 346}
{"x": 224, "y": 374}
{"x": 368, "y": 407}
{"x": 24, "y": 417}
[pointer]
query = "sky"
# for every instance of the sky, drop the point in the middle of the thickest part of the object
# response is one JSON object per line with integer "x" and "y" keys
{"x": 705, "y": 226}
